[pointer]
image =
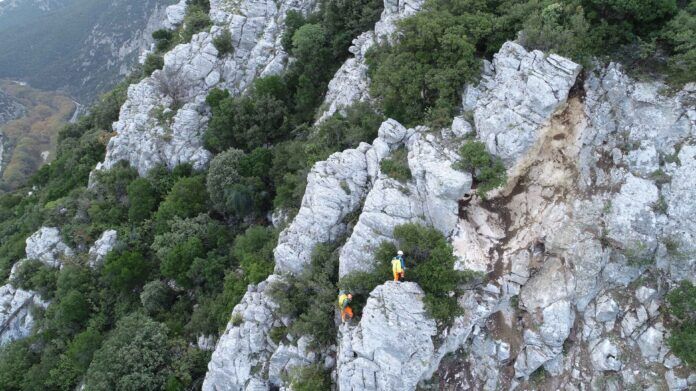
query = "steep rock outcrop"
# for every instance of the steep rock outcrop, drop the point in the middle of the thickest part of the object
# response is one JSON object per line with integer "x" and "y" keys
{"x": 586, "y": 212}
{"x": 519, "y": 94}
{"x": 242, "y": 357}
{"x": 47, "y": 246}
{"x": 145, "y": 137}
{"x": 102, "y": 247}
{"x": 16, "y": 305}
{"x": 392, "y": 346}
{"x": 335, "y": 188}
{"x": 430, "y": 197}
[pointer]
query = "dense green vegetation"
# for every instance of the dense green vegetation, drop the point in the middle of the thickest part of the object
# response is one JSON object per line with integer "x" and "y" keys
{"x": 682, "y": 310}
{"x": 429, "y": 262}
{"x": 488, "y": 170}
{"x": 418, "y": 78}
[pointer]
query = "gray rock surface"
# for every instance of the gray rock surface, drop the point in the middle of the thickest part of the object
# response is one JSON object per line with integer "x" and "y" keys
{"x": 190, "y": 71}
{"x": 525, "y": 89}
{"x": 102, "y": 247}
{"x": 429, "y": 197}
{"x": 391, "y": 347}
{"x": 16, "y": 318}
{"x": 47, "y": 246}
{"x": 243, "y": 353}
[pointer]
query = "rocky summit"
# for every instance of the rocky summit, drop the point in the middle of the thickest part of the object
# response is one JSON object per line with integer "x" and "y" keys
{"x": 233, "y": 219}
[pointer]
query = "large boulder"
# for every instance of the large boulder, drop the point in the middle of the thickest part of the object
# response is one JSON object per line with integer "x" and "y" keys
{"x": 392, "y": 346}
{"x": 519, "y": 96}
{"x": 47, "y": 246}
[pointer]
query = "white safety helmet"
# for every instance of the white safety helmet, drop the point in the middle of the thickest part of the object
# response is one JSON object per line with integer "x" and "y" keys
{"x": 400, "y": 252}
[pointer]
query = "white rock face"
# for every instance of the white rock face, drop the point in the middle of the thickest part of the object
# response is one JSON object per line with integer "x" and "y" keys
{"x": 16, "y": 319}
{"x": 244, "y": 351}
{"x": 47, "y": 246}
{"x": 175, "y": 14}
{"x": 144, "y": 137}
{"x": 335, "y": 188}
{"x": 520, "y": 96}
{"x": 350, "y": 84}
{"x": 429, "y": 198}
{"x": 102, "y": 247}
{"x": 392, "y": 346}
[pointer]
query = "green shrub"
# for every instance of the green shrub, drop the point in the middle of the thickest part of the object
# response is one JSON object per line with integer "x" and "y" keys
{"x": 310, "y": 378}
{"x": 488, "y": 171}
{"x": 16, "y": 359}
{"x": 223, "y": 43}
{"x": 195, "y": 21}
{"x": 433, "y": 58}
{"x": 125, "y": 271}
{"x": 152, "y": 63}
{"x": 163, "y": 39}
{"x": 254, "y": 252}
{"x": 310, "y": 298}
{"x": 136, "y": 356}
{"x": 156, "y": 297}
{"x": 187, "y": 198}
{"x": 33, "y": 275}
{"x": 246, "y": 122}
{"x": 396, "y": 166}
{"x": 142, "y": 199}
{"x": 682, "y": 308}
{"x": 223, "y": 172}
{"x": 429, "y": 261}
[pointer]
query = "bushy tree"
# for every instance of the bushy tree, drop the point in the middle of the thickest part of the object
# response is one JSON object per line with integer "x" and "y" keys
{"x": 425, "y": 70}
{"x": 136, "y": 356}
{"x": 125, "y": 271}
{"x": 142, "y": 200}
{"x": 223, "y": 172}
{"x": 223, "y": 43}
{"x": 156, "y": 297}
{"x": 254, "y": 252}
{"x": 187, "y": 198}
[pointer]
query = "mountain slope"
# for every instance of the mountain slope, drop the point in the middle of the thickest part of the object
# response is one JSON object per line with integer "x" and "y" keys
{"x": 81, "y": 47}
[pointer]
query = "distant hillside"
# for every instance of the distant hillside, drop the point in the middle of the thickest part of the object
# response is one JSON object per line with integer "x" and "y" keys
{"x": 82, "y": 47}
{"x": 30, "y": 140}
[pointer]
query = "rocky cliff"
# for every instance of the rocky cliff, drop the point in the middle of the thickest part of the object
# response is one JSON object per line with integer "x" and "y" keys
{"x": 190, "y": 71}
{"x": 579, "y": 248}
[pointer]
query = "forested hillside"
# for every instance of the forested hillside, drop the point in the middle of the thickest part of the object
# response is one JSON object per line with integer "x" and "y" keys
{"x": 194, "y": 243}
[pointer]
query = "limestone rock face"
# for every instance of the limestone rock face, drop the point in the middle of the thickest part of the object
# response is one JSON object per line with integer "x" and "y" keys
{"x": 16, "y": 319}
{"x": 165, "y": 116}
{"x": 244, "y": 351}
{"x": 391, "y": 347}
{"x": 175, "y": 14}
{"x": 522, "y": 92}
{"x": 102, "y": 247}
{"x": 429, "y": 198}
{"x": 47, "y": 246}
